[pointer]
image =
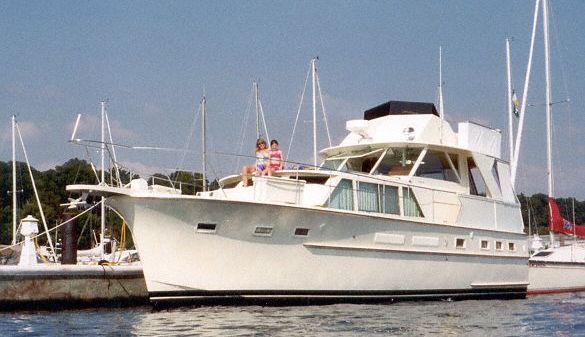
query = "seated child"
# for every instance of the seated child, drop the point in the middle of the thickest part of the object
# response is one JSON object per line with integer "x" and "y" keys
{"x": 276, "y": 161}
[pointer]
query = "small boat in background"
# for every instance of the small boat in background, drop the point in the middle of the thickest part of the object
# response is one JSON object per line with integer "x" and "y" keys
{"x": 559, "y": 268}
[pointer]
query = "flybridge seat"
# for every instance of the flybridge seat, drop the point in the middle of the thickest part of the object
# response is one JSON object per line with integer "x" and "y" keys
{"x": 400, "y": 108}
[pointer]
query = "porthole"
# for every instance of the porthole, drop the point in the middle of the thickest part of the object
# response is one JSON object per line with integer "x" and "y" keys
{"x": 299, "y": 231}
{"x": 460, "y": 243}
{"x": 499, "y": 245}
{"x": 208, "y": 228}
{"x": 263, "y": 231}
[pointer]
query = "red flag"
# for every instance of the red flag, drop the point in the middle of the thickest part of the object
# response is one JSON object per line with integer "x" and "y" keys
{"x": 558, "y": 224}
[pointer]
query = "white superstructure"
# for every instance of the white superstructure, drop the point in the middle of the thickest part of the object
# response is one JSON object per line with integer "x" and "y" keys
{"x": 404, "y": 207}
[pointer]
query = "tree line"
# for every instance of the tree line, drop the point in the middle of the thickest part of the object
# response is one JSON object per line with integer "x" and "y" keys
{"x": 51, "y": 188}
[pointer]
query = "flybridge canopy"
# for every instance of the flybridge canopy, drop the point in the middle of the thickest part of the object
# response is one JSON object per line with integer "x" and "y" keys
{"x": 400, "y": 108}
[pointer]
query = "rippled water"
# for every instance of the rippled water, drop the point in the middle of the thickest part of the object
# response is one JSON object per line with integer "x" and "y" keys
{"x": 561, "y": 315}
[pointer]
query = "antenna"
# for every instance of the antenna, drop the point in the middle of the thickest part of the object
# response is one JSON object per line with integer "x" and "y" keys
{"x": 509, "y": 102}
{"x": 103, "y": 180}
{"x": 313, "y": 74}
{"x": 203, "y": 145}
{"x": 14, "y": 201}
{"x": 441, "y": 108}
{"x": 75, "y": 127}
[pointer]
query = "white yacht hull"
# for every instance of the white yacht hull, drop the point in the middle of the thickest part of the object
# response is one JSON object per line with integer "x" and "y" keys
{"x": 344, "y": 257}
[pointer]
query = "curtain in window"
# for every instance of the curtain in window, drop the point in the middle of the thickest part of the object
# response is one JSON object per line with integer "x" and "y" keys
{"x": 368, "y": 198}
{"x": 391, "y": 200}
{"x": 342, "y": 196}
{"x": 411, "y": 207}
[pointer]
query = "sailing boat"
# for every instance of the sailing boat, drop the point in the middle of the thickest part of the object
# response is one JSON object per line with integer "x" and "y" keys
{"x": 559, "y": 268}
{"x": 51, "y": 284}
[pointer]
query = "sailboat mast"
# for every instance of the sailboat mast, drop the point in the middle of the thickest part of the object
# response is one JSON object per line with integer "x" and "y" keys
{"x": 14, "y": 205}
{"x": 313, "y": 73}
{"x": 203, "y": 145}
{"x": 549, "y": 172}
{"x": 509, "y": 103}
{"x": 103, "y": 180}
{"x": 548, "y": 99}
{"x": 257, "y": 98}
{"x": 529, "y": 221}
{"x": 574, "y": 221}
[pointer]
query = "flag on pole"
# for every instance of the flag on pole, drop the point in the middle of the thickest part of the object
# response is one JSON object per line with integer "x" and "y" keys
{"x": 515, "y": 103}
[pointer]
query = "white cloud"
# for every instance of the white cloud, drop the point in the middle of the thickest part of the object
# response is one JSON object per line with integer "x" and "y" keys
{"x": 140, "y": 168}
{"x": 28, "y": 130}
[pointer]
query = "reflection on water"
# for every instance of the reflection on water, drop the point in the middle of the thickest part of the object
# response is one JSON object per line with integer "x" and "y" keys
{"x": 560, "y": 315}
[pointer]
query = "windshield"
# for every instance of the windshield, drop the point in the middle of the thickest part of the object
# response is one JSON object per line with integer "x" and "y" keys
{"x": 331, "y": 164}
{"x": 363, "y": 163}
{"x": 398, "y": 161}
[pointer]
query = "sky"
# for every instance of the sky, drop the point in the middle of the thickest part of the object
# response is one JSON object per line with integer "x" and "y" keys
{"x": 152, "y": 61}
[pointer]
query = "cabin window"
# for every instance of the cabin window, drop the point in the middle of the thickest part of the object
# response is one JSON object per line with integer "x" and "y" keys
{"x": 331, "y": 164}
{"x": 485, "y": 244}
{"x": 495, "y": 173}
{"x": 411, "y": 207}
{"x": 460, "y": 243}
{"x": 511, "y": 246}
{"x": 368, "y": 197}
{"x": 390, "y": 200}
{"x": 477, "y": 185}
{"x": 436, "y": 165}
{"x": 342, "y": 196}
{"x": 452, "y": 173}
{"x": 398, "y": 162}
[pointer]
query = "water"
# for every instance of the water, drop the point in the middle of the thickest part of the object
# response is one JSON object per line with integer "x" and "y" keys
{"x": 559, "y": 315}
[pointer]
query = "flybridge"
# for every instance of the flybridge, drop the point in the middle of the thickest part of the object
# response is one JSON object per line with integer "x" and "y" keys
{"x": 400, "y": 108}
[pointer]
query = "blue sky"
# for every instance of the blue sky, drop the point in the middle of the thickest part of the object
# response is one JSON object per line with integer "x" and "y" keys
{"x": 153, "y": 61}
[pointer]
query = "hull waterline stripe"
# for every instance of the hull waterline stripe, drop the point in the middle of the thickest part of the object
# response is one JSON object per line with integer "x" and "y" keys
{"x": 162, "y": 301}
{"x": 554, "y": 291}
{"x": 335, "y": 293}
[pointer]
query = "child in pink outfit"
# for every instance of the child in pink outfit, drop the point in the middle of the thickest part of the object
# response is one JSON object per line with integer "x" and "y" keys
{"x": 276, "y": 161}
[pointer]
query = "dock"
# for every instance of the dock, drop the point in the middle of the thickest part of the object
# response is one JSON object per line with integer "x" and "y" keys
{"x": 46, "y": 287}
